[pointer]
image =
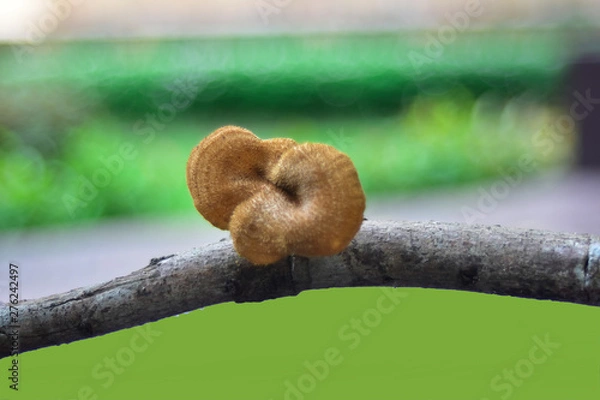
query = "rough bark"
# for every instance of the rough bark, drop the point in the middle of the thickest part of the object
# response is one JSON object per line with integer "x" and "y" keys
{"x": 489, "y": 259}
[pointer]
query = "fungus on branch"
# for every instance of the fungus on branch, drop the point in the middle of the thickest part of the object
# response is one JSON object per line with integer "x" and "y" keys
{"x": 276, "y": 197}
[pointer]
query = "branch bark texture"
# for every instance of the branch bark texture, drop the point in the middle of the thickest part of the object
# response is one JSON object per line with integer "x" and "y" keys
{"x": 489, "y": 259}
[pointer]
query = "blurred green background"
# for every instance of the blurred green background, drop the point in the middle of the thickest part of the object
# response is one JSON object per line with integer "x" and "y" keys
{"x": 407, "y": 119}
{"x": 99, "y": 115}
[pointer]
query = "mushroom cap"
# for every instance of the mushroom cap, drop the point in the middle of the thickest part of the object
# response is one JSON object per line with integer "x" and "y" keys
{"x": 314, "y": 208}
{"x": 277, "y": 197}
{"x": 226, "y": 168}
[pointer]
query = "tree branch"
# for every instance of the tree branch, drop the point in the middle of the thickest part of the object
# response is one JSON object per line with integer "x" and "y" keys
{"x": 488, "y": 259}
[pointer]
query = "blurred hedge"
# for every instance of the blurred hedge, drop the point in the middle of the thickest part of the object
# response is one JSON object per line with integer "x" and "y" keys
{"x": 376, "y": 72}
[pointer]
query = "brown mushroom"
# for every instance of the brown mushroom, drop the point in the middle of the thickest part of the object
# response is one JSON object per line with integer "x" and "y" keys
{"x": 227, "y": 167}
{"x": 276, "y": 197}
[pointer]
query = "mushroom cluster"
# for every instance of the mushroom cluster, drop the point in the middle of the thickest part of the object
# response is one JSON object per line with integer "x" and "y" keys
{"x": 275, "y": 196}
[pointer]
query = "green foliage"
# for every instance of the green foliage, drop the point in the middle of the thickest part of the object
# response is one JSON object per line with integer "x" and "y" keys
{"x": 437, "y": 140}
{"x": 457, "y": 117}
{"x": 311, "y": 73}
